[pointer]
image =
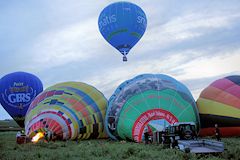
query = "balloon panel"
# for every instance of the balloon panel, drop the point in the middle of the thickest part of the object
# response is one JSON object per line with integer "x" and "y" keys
{"x": 76, "y": 108}
{"x": 145, "y": 98}
{"x": 122, "y": 24}
{"x": 219, "y": 103}
{"x": 17, "y": 91}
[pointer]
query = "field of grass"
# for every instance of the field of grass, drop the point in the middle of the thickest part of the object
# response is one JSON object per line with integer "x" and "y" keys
{"x": 102, "y": 150}
{"x": 9, "y": 125}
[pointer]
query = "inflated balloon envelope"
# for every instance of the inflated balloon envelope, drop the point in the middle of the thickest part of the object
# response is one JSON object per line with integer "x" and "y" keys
{"x": 154, "y": 100}
{"x": 17, "y": 90}
{"x": 219, "y": 103}
{"x": 70, "y": 110}
{"x": 122, "y": 24}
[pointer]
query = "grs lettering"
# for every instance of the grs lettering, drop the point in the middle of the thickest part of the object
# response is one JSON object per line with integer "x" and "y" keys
{"x": 19, "y": 97}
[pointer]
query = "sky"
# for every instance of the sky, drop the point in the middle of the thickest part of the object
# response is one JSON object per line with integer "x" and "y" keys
{"x": 195, "y": 42}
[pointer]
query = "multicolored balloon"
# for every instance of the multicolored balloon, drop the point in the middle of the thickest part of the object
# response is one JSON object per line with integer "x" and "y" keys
{"x": 122, "y": 24}
{"x": 154, "y": 100}
{"x": 69, "y": 110}
{"x": 219, "y": 103}
{"x": 17, "y": 90}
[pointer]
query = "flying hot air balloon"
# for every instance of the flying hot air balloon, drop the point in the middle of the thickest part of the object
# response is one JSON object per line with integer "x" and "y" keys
{"x": 152, "y": 100}
{"x": 122, "y": 24}
{"x": 219, "y": 103}
{"x": 17, "y": 90}
{"x": 69, "y": 110}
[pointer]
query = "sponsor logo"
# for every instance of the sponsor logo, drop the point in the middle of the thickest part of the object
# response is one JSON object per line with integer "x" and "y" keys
{"x": 142, "y": 20}
{"x": 147, "y": 116}
{"x": 18, "y": 95}
{"x": 107, "y": 20}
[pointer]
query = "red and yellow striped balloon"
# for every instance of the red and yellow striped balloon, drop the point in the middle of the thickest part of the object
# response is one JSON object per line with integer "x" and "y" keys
{"x": 219, "y": 103}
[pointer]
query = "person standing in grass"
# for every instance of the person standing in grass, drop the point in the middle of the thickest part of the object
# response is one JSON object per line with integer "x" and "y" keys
{"x": 146, "y": 134}
{"x": 217, "y": 132}
{"x": 18, "y": 134}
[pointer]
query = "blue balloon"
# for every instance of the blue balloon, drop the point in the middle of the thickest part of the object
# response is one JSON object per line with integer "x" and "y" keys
{"x": 122, "y": 24}
{"x": 17, "y": 90}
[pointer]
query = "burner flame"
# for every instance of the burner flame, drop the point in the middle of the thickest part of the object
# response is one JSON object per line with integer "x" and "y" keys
{"x": 38, "y": 136}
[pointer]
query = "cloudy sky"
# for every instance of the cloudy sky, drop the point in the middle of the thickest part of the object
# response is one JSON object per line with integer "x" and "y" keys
{"x": 196, "y": 42}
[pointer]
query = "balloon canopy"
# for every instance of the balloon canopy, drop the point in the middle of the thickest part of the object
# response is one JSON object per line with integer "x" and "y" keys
{"x": 219, "y": 103}
{"x": 122, "y": 24}
{"x": 17, "y": 90}
{"x": 154, "y": 100}
{"x": 69, "y": 110}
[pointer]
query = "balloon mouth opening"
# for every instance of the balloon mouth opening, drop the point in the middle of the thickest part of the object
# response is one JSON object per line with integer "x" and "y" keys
{"x": 148, "y": 116}
{"x": 37, "y": 137}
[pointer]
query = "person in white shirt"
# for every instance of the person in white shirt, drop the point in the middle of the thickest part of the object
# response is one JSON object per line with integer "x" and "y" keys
{"x": 18, "y": 134}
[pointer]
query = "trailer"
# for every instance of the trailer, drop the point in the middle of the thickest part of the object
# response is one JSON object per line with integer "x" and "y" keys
{"x": 184, "y": 136}
{"x": 201, "y": 146}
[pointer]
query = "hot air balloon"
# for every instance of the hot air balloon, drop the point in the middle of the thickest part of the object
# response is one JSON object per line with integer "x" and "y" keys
{"x": 219, "y": 103}
{"x": 153, "y": 100}
{"x": 17, "y": 90}
{"x": 122, "y": 24}
{"x": 69, "y": 110}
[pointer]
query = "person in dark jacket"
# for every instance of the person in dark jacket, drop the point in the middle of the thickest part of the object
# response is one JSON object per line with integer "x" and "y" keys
{"x": 217, "y": 132}
{"x": 146, "y": 135}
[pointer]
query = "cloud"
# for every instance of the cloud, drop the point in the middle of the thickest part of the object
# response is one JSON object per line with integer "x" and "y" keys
{"x": 76, "y": 42}
{"x": 210, "y": 66}
{"x": 194, "y": 42}
{"x": 193, "y": 71}
{"x": 109, "y": 80}
{"x": 181, "y": 31}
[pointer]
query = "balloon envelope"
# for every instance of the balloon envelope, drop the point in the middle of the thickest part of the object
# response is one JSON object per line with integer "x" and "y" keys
{"x": 154, "y": 100}
{"x": 17, "y": 91}
{"x": 70, "y": 110}
{"x": 219, "y": 103}
{"x": 122, "y": 24}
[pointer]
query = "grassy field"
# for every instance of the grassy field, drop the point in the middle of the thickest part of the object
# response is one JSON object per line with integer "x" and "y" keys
{"x": 102, "y": 150}
{"x": 9, "y": 125}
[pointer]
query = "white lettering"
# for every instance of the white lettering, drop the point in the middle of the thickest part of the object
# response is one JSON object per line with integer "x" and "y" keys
{"x": 142, "y": 20}
{"x": 27, "y": 97}
{"x": 18, "y": 84}
{"x": 19, "y": 97}
{"x": 11, "y": 98}
{"x": 107, "y": 20}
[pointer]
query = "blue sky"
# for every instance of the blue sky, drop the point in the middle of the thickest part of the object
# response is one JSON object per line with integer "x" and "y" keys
{"x": 196, "y": 42}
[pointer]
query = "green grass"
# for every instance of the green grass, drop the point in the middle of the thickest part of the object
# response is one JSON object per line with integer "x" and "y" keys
{"x": 9, "y": 125}
{"x": 102, "y": 150}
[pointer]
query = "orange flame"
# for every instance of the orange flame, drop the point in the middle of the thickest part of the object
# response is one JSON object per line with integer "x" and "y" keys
{"x": 38, "y": 136}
